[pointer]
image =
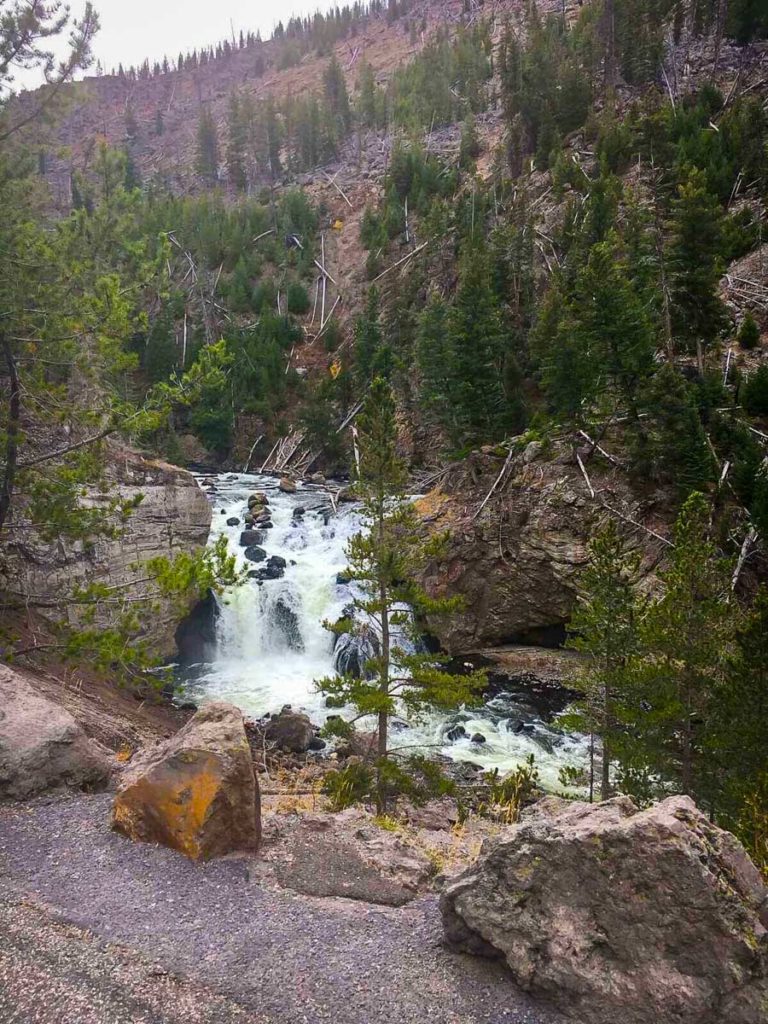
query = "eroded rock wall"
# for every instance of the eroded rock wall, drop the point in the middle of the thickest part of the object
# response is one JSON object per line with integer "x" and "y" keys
{"x": 174, "y": 516}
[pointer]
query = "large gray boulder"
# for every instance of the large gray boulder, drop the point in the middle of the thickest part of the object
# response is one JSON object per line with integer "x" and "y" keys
{"x": 613, "y": 914}
{"x": 198, "y": 792}
{"x": 350, "y": 856}
{"x": 41, "y": 745}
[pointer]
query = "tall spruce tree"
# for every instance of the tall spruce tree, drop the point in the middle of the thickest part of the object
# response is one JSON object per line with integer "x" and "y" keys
{"x": 237, "y": 141}
{"x": 605, "y": 628}
{"x": 207, "y": 146}
{"x": 684, "y": 638}
{"x": 478, "y": 352}
{"x": 698, "y": 314}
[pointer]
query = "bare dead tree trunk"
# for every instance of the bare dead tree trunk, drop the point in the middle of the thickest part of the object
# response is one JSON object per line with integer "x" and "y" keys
{"x": 609, "y": 28}
{"x": 12, "y": 431}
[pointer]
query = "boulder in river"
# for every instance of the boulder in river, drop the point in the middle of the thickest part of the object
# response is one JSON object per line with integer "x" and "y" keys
{"x": 42, "y": 747}
{"x": 258, "y": 498}
{"x": 197, "y": 793}
{"x": 287, "y": 621}
{"x": 291, "y": 731}
{"x": 233, "y": 521}
{"x": 456, "y": 732}
{"x": 249, "y": 537}
{"x": 353, "y": 652}
{"x": 287, "y": 486}
{"x": 255, "y": 554}
{"x": 615, "y": 914}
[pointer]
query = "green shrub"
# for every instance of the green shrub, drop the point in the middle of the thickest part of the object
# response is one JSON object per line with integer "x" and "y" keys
{"x": 749, "y": 333}
{"x": 754, "y": 396}
{"x": 297, "y": 299}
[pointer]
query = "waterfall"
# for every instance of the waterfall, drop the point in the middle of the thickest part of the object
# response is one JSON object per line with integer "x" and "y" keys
{"x": 272, "y": 645}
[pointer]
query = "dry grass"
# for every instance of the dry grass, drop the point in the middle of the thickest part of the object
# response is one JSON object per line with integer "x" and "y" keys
{"x": 289, "y": 791}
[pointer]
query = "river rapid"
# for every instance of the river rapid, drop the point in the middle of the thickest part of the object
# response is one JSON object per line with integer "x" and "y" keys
{"x": 272, "y": 645}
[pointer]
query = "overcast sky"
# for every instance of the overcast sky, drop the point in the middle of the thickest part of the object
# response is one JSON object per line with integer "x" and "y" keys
{"x": 151, "y": 28}
{"x": 134, "y": 29}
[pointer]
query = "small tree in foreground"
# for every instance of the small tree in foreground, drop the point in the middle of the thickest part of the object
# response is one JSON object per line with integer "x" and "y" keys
{"x": 604, "y": 627}
{"x": 384, "y": 559}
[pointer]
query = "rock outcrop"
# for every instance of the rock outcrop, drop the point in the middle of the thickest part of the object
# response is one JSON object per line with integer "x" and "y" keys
{"x": 174, "y": 516}
{"x": 198, "y": 792}
{"x": 518, "y": 561}
{"x": 652, "y": 917}
{"x": 41, "y": 745}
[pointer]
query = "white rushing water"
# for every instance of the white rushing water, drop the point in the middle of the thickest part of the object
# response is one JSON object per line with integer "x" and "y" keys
{"x": 272, "y": 645}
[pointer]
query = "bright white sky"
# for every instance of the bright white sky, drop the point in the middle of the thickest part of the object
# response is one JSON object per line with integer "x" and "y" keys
{"x": 134, "y": 29}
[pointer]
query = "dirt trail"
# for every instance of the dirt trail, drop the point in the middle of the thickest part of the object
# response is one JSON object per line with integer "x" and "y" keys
{"x": 233, "y": 940}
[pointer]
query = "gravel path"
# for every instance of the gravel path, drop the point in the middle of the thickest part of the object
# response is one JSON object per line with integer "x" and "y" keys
{"x": 284, "y": 958}
{"x": 52, "y": 971}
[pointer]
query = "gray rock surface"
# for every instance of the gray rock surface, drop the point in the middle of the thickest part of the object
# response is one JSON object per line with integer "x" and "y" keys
{"x": 283, "y": 956}
{"x": 54, "y": 973}
{"x": 347, "y": 855}
{"x": 197, "y": 793}
{"x": 652, "y": 917}
{"x": 41, "y": 745}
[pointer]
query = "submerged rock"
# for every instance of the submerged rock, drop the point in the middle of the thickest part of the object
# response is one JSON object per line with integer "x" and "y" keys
{"x": 615, "y": 914}
{"x": 197, "y": 793}
{"x": 42, "y": 747}
{"x": 457, "y": 732}
{"x": 286, "y": 619}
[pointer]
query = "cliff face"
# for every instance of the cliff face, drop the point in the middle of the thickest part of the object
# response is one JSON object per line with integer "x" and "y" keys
{"x": 174, "y": 516}
{"x": 518, "y": 561}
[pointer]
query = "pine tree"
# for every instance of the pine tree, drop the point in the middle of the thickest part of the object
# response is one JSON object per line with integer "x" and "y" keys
{"x": 237, "y": 140}
{"x": 737, "y": 728}
{"x": 684, "y": 637}
{"x": 749, "y": 333}
{"x": 368, "y": 98}
{"x": 754, "y": 393}
{"x": 337, "y": 97}
{"x": 383, "y": 560}
{"x": 698, "y": 313}
{"x": 207, "y": 146}
{"x": 605, "y": 628}
{"x": 372, "y": 356}
{"x": 676, "y": 451}
{"x": 479, "y": 348}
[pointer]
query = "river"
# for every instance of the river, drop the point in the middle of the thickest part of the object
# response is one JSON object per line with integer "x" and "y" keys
{"x": 272, "y": 646}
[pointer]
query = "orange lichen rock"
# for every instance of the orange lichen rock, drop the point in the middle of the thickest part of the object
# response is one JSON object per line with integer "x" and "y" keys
{"x": 197, "y": 793}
